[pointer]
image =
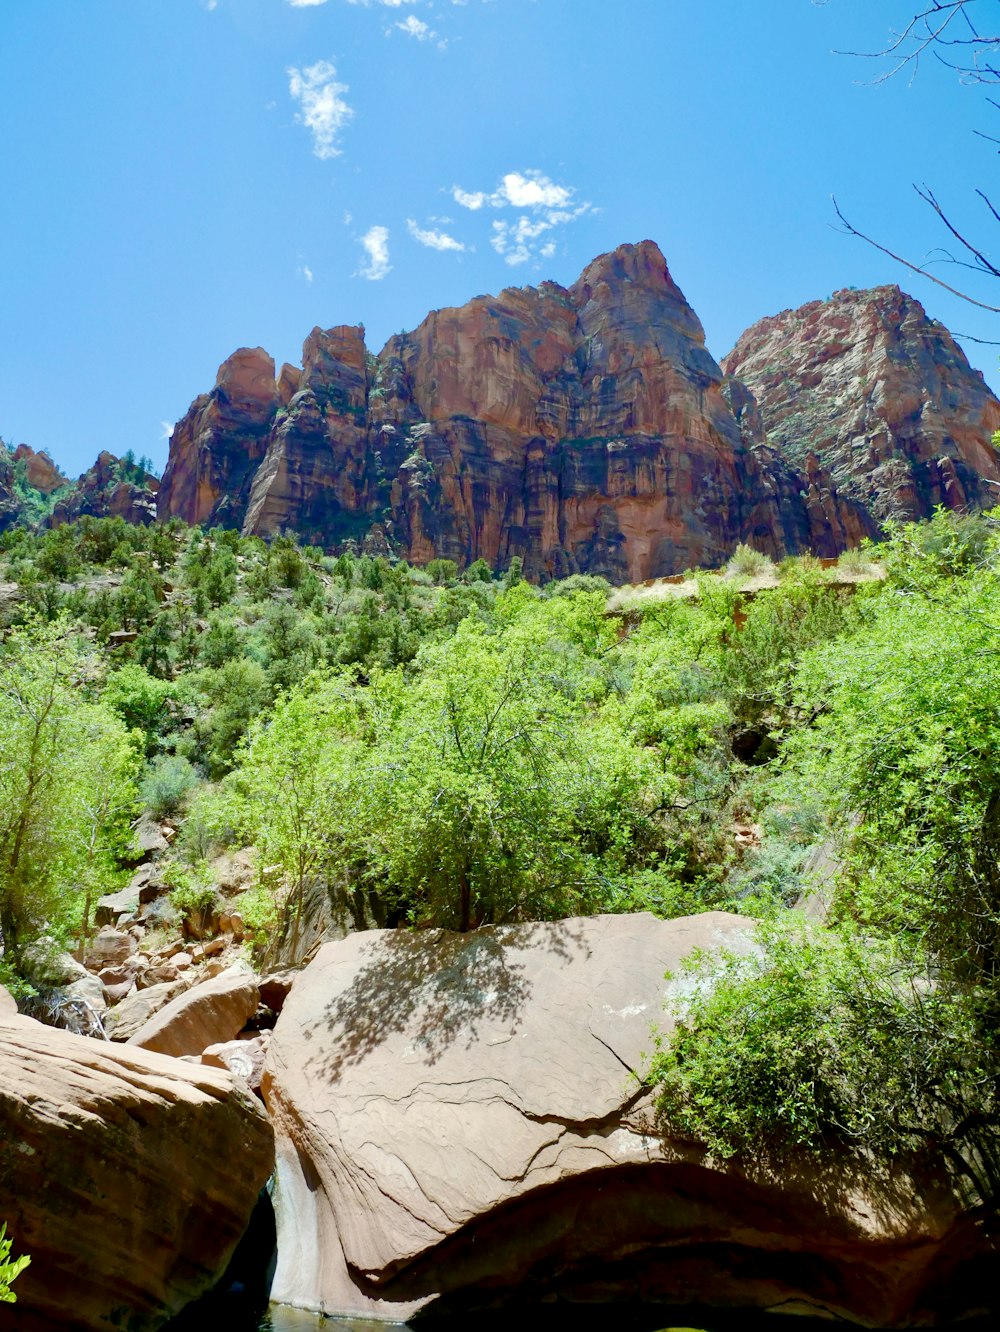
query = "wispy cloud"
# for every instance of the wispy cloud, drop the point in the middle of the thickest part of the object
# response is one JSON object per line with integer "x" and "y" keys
{"x": 414, "y": 27}
{"x": 544, "y": 206}
{"x": 322, "y": 108}
{"x": 306, "y": 272}
{"x": 434, "y": 240}
{"x": 166, "y": 429}
{"x": 375, "y": 243}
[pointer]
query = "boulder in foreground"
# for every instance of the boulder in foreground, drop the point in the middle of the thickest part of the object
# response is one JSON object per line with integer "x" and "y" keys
{"x": 127, "y": 1176}
{"x": 458, "y": 1127}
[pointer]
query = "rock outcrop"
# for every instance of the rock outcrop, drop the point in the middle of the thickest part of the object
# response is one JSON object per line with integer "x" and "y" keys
{"x": 40, "y": 471}
{"x": 111, "y": 488}
{"x": 211, "y": 1012}
{"x": 127, "y": 1176}
{"x": 881, "y": 395}
{"x": 459, "y": 1126}
{"x": 580, "y": 429}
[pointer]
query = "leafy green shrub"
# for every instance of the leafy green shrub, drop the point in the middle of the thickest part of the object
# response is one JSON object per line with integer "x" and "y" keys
{"x": 745, "y": 562}
{"x": 167, "y": 782}
{"x": 191, "y": 890}
{"x": 10, "y": 1268}
{"x": 827, "y": 1041}
{"x": 442, "y": 571}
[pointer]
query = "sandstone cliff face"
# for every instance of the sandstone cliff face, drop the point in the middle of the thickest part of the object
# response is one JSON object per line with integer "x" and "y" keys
{"x": 582, "y": 429}
{"x": 101, "y": 493}
{"x": 881, "y": 395}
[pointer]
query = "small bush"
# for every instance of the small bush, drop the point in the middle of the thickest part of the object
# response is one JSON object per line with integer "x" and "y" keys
{"x": 166, "y": 784}
{"x": 10, "y": 1268}
{"x": 745, "y": 562}
{"x": 191, "y": 892}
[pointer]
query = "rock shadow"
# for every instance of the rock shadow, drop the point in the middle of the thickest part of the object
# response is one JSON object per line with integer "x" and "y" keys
{"x": 440, "y": 987}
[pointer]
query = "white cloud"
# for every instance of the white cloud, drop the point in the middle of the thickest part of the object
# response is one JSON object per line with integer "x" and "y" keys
{"x": 323, "y": 110}
{"x": 518, "y": 189}
{"x": 414, "y": 27}
{"x": 303, "y": 4}
{"x": 306, "y": 272}
{"x": 465, "y": 199}
{"x": 434, "y": 240}
{"x": 166, "y": 429}
{"x": 375, "y": 243}
{"x": 211, "y": 4}
{"x": 547, "y": 206}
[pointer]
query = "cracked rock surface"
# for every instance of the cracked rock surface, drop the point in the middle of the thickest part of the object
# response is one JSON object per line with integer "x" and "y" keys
{"x": 458, "y": 1127}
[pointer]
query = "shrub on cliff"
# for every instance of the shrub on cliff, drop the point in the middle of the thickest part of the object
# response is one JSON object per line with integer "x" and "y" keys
{"x": 10, "y": 1268}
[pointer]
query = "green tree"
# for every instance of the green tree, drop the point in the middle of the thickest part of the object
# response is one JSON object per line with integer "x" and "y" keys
{"x": 66, "y": 785}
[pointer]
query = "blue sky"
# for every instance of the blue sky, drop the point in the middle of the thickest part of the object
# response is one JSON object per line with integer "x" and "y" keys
{"x": 185, "y": 177}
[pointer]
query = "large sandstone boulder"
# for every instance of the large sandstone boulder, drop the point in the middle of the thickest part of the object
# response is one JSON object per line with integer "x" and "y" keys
{"x": 213, "y": 1011}
{"x": 459, "y": 1125}
{"x": 128, "y": 1177}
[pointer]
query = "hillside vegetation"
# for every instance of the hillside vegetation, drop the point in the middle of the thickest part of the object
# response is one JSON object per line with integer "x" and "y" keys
{"x": 433, "y": 749}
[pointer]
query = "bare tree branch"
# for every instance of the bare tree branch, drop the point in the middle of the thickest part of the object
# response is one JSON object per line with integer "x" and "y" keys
{"x": 853, "y": 231}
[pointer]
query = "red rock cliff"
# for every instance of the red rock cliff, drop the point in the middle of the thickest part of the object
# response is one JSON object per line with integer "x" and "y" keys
{"x": 582, "y": 429}
{"x": 881, "y": 394}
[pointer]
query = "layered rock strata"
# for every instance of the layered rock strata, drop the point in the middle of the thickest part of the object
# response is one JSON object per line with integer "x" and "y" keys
{"x": 459, "y": 1126}
{"x": 881, "y": 395}
{"x": 580, "y": 429}
{"x": 127, "y": 1176}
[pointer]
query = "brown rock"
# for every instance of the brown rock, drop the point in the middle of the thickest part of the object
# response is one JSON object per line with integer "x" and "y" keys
{"x": 458, "y": 1126}
{"x": 132, "y": 1014}
{"x": 210, "y": 1012}
{"x": 275, "y": 989}
{"x": 216, "y": 448}
{"x": 114, "y": 905}
{"x": 126, "y": 1176}
{"x": 244, "y": 1058}
{"x": 42, "y": 472}
{"x": 581, "y": 429}
{"x": 881, "y": 395}
{"x": 109, "y": 948}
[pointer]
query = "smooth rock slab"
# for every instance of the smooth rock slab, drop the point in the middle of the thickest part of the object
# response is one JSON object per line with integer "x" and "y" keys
{"x": 458, "y": 1126}
{"x": 208, "y": 1013}
{"x": 127, "y": 1176}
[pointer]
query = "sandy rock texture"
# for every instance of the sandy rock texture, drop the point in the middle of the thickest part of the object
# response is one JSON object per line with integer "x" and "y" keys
{"x": 206, "y": 1014}
{"x": 580, "y": 429}
{"x": 458, "y": 1126}
{"x": 127, "y": 1176}
{"x": 881, "y": 395}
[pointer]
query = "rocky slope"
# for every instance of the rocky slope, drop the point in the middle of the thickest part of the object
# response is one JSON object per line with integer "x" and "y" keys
{"x": 582, "y": 429}
{"x": 881, "y": 394}
{"x": 33, "y": 491}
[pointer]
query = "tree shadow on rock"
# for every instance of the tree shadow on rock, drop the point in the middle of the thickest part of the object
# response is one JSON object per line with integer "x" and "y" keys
{"x": 440, "y": 987}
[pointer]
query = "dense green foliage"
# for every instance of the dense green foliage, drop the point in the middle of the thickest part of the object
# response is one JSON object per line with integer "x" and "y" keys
{"x": 430, "y": 747}
{"x": 10, "y": 1268}
{"x": 881, "y": 1030}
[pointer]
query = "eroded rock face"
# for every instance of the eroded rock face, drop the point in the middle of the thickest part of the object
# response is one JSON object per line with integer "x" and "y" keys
{"x": 127, "y": 1176}
{"x": 458, "y": 1127}
{"x": 881, "y": 395}
{"x": 41, "y": 471}
{"x": 217, "y": 446}
{"x": 581, "y": 429}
